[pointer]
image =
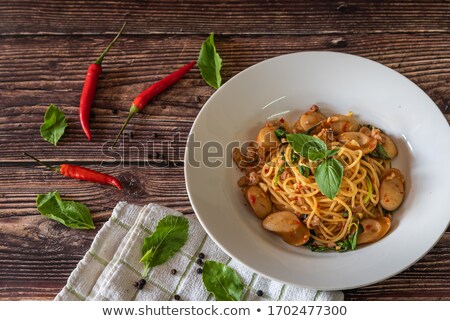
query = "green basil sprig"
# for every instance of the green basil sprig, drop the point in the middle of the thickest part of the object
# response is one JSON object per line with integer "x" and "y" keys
{"x": 304, "y": 170}
{"x": 379, "y": 152}
{"x": 71, "y": 214}
{"x": 280, "y": 132}
{"x": 54, "y": 125}
{"x": 329, "y": 171}
{"x": 170, "y": 235}
{"x": 342, "y": 246}
{"x": 210, "y": 63}
{"x": 222, "y": 281}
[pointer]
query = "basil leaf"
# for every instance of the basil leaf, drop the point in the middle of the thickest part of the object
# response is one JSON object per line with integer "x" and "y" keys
{"x": 280, "y": 132}
{"x": 319, "y": 248}
{"x": 379, "y": 152}
{"x": 210, "y": 63}
{"x": 280, "y": 171}
{"x": 331, "y": 153}
{"x": 328, "y": 177}
{"x": 294, "y": 158}
{"x": 222, "y": 281}
{"x": 344, "y": 246}
{"x": 353, "y": 237}
{"x": 71, "y": 214}
{"x": 307, "y": 146}
{"x": 170, "y": 235}
{"x": 54, "y": 125}
{"x": 304, "y": 170}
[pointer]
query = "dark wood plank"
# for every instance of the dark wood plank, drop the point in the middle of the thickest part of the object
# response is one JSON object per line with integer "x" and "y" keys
{"x": 428, "y": 279}
{"x": 35, "y": 262}
{"x": 32, "y": 80}
{"x": 142, "y": 185}
{"x": 225, "y": 17}
{"x": 37, "y": 255}
{"x": 45, "y": 49}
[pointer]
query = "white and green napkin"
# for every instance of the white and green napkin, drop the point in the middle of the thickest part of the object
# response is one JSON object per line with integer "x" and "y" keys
{"x": 111, "y": 266}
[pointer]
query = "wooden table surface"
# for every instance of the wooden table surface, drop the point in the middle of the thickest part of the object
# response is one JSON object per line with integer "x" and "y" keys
{"x": 45, "y": 49}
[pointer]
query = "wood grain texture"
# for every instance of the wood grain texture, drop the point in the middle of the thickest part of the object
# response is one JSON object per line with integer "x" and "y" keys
{"x": 223, "y": 17}
{"x": 46, "y": 46}
{"x": 30, "y": 81}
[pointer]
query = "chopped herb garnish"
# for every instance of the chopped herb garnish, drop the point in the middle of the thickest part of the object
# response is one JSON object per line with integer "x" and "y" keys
{"x": 280, "y": 132}
{"x": 304, "y": 170}
{"x": 280, "y": 171}
{"x": 379, "y": 152}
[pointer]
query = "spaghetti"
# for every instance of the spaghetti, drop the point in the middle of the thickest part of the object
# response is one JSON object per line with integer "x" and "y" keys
{"x": 288, "y": 180}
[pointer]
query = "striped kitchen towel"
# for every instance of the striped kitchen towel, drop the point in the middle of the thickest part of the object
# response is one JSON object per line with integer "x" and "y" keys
{"x": 111, "y": 266}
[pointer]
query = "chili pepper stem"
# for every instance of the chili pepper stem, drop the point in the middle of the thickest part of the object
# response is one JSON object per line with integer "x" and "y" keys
{"x": 133, "y": 111}
{"x": 100, "y": 59}
{"x": 52, "y": 168}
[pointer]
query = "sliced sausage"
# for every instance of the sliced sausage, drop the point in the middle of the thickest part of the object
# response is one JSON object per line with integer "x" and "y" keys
{"x": 298, "y": 237}
{"x": 392, "y": 189}
{"x": 259, "y": 201}
{"x": 281, "y": 222}
{"x": 388, "y": 145}
{"x": 358, "y": 141}
{"x": 374, "y": 229}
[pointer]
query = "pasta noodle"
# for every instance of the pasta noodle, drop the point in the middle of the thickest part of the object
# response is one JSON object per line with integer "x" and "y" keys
{"x": 281, "y": 179}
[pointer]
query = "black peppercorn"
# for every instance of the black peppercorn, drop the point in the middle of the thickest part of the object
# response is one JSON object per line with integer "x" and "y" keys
{"x": 259, "y": 293}
{"x": 176, "y": 297}
{"x": 173, "y": 271}
{"x": 199, "y": 270}
{"x": 139, "y": 284}
{"x": 201, "y": 255}
{"x": 199, "y": 262}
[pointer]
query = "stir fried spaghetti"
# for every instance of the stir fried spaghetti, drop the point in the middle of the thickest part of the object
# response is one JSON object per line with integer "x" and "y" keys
{"x": 339, "y": 195}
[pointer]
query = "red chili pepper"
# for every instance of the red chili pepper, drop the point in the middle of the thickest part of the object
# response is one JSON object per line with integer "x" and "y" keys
{"x": 90, "y": 86}
{"x": 81, "y": 173}
{"x": 155, "y": 89}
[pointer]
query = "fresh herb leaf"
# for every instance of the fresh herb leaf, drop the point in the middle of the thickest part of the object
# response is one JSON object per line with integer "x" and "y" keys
{"x": 369, "y": 192}
{"x": 332, "y": 152}
{"x": 54, "y": 125}
{"x": 320, "y": 248}
{"x": 353, "y": 237}
{"x": 210, "y": 63}
{"x": 345, "y": 214}
{"x": 344, "y": 246}
{"x": 170, "y": 235}
{"x": 294, "y": 157}
{"x": 71, "y": 214}
{"x": 222, "y": 281}
{"x": 379, "y": 152}
{"x": 304, "y": 170}
{"x": 328, "y": 176}
{"x": 307, "y": 146}
{"x": 280, "y": 132}
{"x": 280, "y": 171}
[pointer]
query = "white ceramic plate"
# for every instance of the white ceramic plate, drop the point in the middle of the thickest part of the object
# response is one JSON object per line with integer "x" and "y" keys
{"x": 338, "y": 83}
